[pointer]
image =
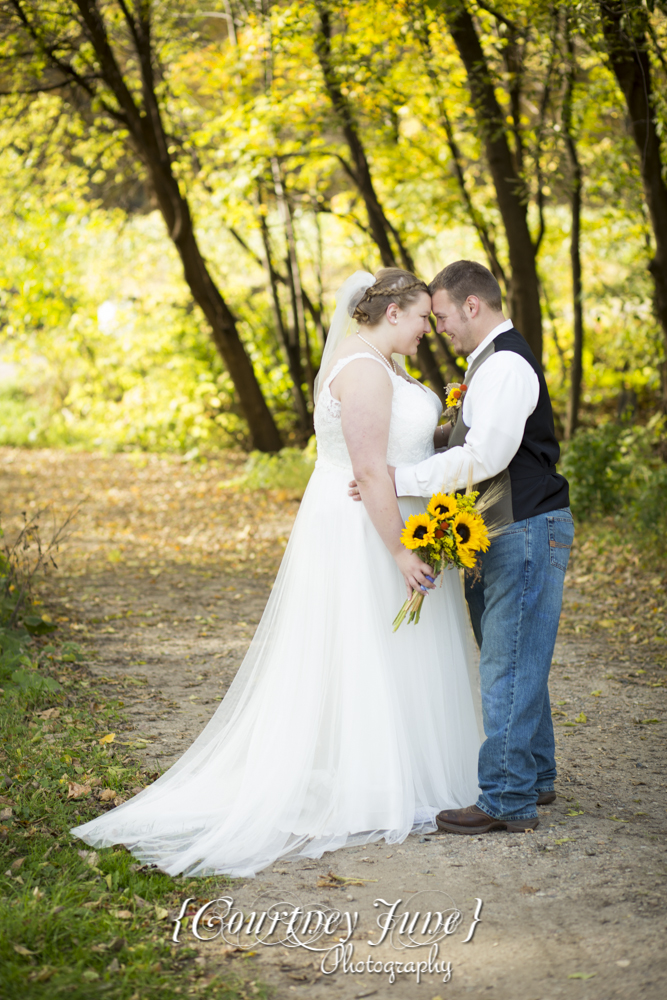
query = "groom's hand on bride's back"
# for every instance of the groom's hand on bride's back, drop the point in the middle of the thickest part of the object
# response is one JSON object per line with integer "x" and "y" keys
{"x": 354, "y": 489}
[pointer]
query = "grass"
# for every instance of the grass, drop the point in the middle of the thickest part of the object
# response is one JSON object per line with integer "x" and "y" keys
{"x": 77, "y": 923}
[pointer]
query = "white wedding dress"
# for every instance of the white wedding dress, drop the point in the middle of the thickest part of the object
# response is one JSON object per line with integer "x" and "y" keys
{"x": 336, "y": 730}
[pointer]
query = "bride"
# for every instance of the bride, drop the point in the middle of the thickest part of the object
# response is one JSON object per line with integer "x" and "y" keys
{"x": 335, "y": 731}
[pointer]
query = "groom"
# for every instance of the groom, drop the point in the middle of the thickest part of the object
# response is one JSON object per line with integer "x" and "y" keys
{"x": 504, "y": 431}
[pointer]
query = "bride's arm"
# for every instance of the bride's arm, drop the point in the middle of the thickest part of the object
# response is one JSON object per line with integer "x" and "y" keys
{"x": 365, "y": 394}
{"x": 441, "y": 436}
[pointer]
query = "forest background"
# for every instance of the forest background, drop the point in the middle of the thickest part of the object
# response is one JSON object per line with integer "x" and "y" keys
{"x": 182, "y": 190}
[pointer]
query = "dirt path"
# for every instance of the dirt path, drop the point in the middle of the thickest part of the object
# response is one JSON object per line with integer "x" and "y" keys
{"x": 165, "y": 577}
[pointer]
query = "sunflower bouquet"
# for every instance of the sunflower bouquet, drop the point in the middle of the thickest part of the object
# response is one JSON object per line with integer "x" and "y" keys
{"x": 451, "y": 532}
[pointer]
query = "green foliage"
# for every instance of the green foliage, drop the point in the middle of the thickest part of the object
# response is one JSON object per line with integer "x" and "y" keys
{"x": 617, "y": 470}
{"x": 593, "y": 466}
{"x": 289, "y": 470}
{"x": 67, "y": 913}
{"x": 18, "y": 672}
{"x": 97, "y": 321}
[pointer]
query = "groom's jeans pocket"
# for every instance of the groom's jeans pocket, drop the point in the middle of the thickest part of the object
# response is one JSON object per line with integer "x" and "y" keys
{"x": 560, "y": 532}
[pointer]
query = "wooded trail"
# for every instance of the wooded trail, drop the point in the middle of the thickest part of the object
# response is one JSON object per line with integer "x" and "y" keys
{"x": 162, "y": 583}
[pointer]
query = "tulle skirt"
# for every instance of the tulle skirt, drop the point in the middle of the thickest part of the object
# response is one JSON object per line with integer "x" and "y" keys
{"x": 335, "y": 731}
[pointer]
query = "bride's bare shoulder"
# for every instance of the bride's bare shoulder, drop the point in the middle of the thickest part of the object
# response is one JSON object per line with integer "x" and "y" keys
{"x": 365, "y": 374}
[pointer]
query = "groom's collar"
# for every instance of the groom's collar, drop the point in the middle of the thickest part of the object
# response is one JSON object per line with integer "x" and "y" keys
{"x": 501, "y": 328}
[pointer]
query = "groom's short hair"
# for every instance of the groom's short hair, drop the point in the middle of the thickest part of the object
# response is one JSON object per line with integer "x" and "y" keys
{"x": 467, "y": 277}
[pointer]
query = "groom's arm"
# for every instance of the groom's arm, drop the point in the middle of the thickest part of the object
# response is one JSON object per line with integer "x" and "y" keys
{"x": 500, "y": 399}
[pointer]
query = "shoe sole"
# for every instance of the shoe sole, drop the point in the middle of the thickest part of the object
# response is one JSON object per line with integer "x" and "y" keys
{"x": 511, "y": 826}
{"x": 546, "y": 799}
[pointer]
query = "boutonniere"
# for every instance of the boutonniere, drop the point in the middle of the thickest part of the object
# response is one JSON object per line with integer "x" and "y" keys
{"x": 456, "y": 392}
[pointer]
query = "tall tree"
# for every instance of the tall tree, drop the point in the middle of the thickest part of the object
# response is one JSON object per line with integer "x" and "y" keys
{"x": 576, "y": 368}
{"x": 505, "y": 165}
{"x": 627, "y": 35}
{"x": 104, "y": 56}
{"x": 392, "y": 248}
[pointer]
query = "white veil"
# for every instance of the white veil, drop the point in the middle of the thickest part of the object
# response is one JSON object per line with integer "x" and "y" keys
{"x": 348, "y": 297}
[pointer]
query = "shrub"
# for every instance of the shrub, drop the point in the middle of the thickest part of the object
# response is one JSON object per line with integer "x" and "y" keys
{"x": 617, "y": 470}
{"x": 289, "y": 469}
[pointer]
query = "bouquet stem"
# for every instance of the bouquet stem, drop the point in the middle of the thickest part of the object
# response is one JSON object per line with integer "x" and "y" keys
{"x": 412, "y": 608}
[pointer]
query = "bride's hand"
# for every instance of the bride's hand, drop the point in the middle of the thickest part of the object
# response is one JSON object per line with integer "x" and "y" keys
{"x": 354, "y": 491}
{"x": 417, "y": 574}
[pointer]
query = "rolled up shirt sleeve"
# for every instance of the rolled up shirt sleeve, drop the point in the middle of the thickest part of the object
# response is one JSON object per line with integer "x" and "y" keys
{"x": 502, "y": 395}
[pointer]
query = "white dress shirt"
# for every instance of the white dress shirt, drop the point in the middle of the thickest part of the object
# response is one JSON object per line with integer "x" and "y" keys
{"x": 503, "y": 393}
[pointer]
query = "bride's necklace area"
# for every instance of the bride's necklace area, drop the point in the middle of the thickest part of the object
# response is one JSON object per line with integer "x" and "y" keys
{"x": 390, "y": 364}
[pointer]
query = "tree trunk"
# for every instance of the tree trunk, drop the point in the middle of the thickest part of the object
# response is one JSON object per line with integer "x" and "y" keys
{"x": 147, "y": 135}
{"x": 576, "y": 369}
{"x": 523, "y": 294}
{"x": 480, "y": 224}
{"x": 291, "y": 351}
{"x": 360, "y": 173}
{"x": 624, "y": 26}
{"x": 263, "y": 430}
{"x": 293, "y": 274}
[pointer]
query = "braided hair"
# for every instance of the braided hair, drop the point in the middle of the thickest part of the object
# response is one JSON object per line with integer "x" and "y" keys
{"x": 391, "y": 285}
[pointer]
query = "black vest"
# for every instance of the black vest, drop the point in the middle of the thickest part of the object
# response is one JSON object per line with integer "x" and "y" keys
{"x": 533, "y": 485}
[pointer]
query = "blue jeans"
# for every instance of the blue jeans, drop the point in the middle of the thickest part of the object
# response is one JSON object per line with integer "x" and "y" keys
{"x": 515, "y": 609}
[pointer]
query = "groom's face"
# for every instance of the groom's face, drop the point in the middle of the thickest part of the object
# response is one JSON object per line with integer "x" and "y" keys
{"x": 453, "y": 320}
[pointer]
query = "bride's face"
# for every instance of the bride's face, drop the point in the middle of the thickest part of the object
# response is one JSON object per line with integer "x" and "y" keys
{"x": 410, "y": 325}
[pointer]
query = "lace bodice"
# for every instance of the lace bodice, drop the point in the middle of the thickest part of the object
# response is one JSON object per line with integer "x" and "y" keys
{"x": 415, "y": 412}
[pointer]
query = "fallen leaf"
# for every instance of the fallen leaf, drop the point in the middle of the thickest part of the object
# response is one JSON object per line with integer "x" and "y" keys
{"x": 582, "y": 975}
{"x": 333, "y": 881}
{"x": 109, "y": 738}
{"x": 527, "y": 889}
{"x": 42, "y": 975}
{"x": 75, "y": 791}
{"x": 161, "y": 913}
{"x": 20, "y": 950}
{"x": 15, "y": 865}
{"x": 106, "y": 794}
{"x": 90, "y": 857}
{"x": 123, "y": 914}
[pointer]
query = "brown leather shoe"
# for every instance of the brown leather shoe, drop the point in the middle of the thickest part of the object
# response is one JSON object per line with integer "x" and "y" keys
{"x": 473, "y": 820}
{"x": 546, "y": 798}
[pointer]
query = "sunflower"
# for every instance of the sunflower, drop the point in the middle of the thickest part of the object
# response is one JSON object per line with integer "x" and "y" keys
{"x": 418, "y": 531}
{"x": 455, "y": 395}
{"x": 441, "y": 505}
{"x": 470, "y": 534}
